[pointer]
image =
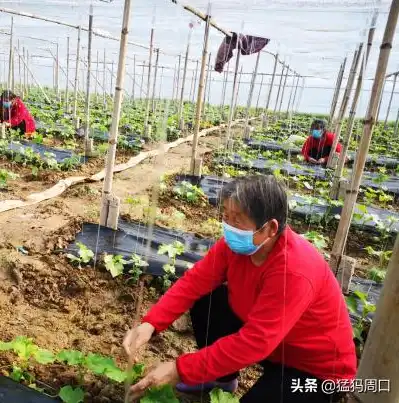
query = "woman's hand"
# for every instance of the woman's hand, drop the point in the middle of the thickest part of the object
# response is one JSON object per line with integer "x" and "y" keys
{"x": 163, "y": 374}
{"x": 322, "y": 161}
{"x": 312, "y": 161}
{"x": 136, "y": 338}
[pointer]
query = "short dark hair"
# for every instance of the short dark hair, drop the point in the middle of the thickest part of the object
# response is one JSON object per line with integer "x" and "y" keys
{"x": 7, "y": 94}
{"x": 261, "y": 198}
{"x": 319, "y": 122}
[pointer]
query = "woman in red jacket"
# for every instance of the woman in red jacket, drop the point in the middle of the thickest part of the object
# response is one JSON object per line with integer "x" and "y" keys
{"x": 317, "y": 147}
{"x": 282, "y": 308}
{"x": 15, "y": 114}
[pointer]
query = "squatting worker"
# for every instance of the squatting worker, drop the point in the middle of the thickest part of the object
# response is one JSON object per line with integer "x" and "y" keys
{"x": 15, "y": 115}
{"x": 317, "y": 147}
{"x": 282, "y": 307}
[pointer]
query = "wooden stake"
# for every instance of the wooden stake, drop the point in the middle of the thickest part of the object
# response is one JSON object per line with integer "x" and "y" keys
{"x": 25, "y": 74}
{"x": 112, "y": 79}
{"x": 174, "y": 84}
{"x": 396, "y": 125}
{"x": 11, "y": 56}
{"x": 352, "y": 114}
{"x": 181, "y": 104}
{"x": 178, "y": 77}
{"x": 336, "y": 92}
{"x": 142, "y": 82}
{"x": 264, "y": 124}
{"x": 195, "y": 80}
{"x": 200, "y": 94}
{"x": 19, "y": 68}
{"x": 67, "y": 79}
{"x": 147, "y": 111}
{"x": 155, "y": 80}
{"x": 75, "y": 95}
{"x": 283, "y": 91}
{"x": 237, "y": 92}
{"x": 390, "y": 100}
{"x": 379, "y": 358}
{"x": 251, "y": 90}
{"x": 344, "y": 104}
{"x": 224, "y": 88}
{"x": 88, "y": 144}
{"x": 113, "y": 137}
{"x": 351, "y": 195}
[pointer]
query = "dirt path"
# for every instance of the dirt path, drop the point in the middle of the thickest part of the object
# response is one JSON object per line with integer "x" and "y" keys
{"x": 43, "y": 297}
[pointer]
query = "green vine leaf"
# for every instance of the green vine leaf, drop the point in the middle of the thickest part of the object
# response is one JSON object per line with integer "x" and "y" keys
{"x": 71, "y": 357}
{"x": 218, "y": 396}
{"x": 162, "y": 394}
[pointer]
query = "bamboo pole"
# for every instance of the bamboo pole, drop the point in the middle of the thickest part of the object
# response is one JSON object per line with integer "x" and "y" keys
{"x": 34, "y": 78}
{"x": 142, "y": 82}
{"x": 67, "y": 79}
{"x": 181, "y": 104}
{"x": 206, "y": 86}
{"x": 97, "y": 78}
{"x": 296, "y": 90}
{"x": 19, "y": 67}
{"x": 112, "y": 79}
{"x": 337, "y": 91}
{"x": 251, "y": 90}
{"x": 352, "y": 114}
{"x": 260, "y": 91}
{"x": 292, "y": 93}
{"x": 224, "y": 88}
{"x": 390, "y": 99}
{"x": 190, "y": 96}
{"x": 105, "y": 218}
{"x": 195, "y": 80}
{"x": 57, "y": 64}
{"x": 379, "y": 358}
{"x": 352, "y": 193}
{"x": 382, "y": 97}
{"x": 279, "y": 88}
{"x": 200, "y": 95}
{"x": 104, "y": 80}
{"x": 25, "y": 73}
{"x": 264, "y": 123}
{"x": 344, "y": 104}
{"x": 237, "y": 92}
{"x": 178, "y": 77}
{"x": 155, "y": 80}
{"x": 147, "y": 110}
{"x": 27, "y": 70}
{"x": 174, "y": 83}
{"x": 283, "y": 91}
{"x": 134, "y": 78}
{"x": 232, "y": 102}
{"x": 88, "y": 144}
{"x": 396, "y": 125}
{"x": 11, "y": 56}
{"x": 75, "y": 96}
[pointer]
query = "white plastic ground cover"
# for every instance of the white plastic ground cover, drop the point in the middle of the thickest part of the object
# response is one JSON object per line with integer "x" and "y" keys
{"x": 64, "y": 184}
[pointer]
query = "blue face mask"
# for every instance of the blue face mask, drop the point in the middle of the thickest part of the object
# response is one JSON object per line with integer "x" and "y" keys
{"x": 240, "y": 241}
{"x": 7, "y": 105}
{"x": 317, "y": 133}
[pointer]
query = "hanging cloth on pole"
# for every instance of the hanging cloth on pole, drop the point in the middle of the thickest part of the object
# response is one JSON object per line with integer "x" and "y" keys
{"x": 247, "y": 45}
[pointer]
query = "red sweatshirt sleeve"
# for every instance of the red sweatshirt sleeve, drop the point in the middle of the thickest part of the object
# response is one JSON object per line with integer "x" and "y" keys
{"x": 201, "y": 279}
{"x": 282, "y": 301}
{"x": 18, "y": 113}
{"x": 305, "y": 149}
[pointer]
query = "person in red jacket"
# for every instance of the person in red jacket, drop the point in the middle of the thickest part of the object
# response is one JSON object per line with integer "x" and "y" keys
{"x": 262, "y": 295}
{"x": 317, "y": 147}
{"x": 15, "y": 114}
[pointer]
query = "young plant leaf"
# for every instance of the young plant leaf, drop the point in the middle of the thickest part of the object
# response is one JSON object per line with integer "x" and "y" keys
{"x": 162, "y": 394}
{"x": 218, "y": 396}
{"x": 70, "y": 395}
{"x": 44, "y": 356}
{"x": 71, "y": 357}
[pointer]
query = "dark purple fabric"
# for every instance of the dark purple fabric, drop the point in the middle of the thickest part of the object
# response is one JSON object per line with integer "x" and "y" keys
{"x": 247, "y": 45}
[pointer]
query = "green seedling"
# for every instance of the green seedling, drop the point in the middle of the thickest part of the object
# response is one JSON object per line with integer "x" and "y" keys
{"x": 85, "y": 255}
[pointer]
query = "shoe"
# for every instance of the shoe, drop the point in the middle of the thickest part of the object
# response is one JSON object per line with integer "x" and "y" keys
{"x": 230, "y": 387}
